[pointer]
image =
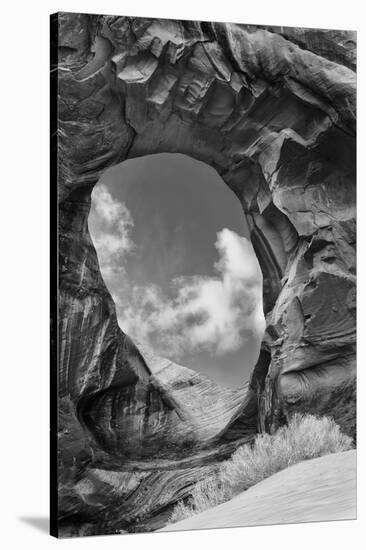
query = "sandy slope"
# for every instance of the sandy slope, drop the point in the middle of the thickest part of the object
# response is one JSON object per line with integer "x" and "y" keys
{"x": 315, "y": 490}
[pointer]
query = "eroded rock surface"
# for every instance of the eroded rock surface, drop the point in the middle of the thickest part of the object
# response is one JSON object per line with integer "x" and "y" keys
{"x": 273, "y": 111}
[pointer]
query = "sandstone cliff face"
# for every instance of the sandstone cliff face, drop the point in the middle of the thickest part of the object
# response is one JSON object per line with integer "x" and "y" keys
{"x": 273, "y": 111}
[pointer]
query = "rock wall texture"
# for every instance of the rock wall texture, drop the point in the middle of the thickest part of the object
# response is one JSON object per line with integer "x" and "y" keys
{"x": 273, "y": 111}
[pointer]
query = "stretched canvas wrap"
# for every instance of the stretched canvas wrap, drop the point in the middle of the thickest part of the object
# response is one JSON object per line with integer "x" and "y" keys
{"x": 203, "y": 367}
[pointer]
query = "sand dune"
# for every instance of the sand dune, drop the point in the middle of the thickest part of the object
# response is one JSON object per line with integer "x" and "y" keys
{"x": 321, "y": 489}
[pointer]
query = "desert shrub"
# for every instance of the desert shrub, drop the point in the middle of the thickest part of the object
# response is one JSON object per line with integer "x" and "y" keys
{"x": 205, "y": 494}
{"x": 304, "y": 437}
{"x": 181, "y": 511}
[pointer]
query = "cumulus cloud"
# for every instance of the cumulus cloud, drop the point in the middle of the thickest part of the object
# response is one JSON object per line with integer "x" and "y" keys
{"x": 215, "y": 314}
{"x": 111, "y": 224}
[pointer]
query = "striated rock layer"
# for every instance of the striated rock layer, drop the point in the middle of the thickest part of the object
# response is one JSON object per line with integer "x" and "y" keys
{"x": 272, "y": 109}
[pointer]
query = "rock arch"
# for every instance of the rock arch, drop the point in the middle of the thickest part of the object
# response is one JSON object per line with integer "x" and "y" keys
{"x": 273, "y": 111}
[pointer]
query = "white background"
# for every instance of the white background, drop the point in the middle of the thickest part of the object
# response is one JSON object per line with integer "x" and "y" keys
{"x": 24, "y": 238}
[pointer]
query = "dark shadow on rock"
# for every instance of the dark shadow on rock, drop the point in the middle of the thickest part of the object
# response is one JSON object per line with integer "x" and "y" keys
{"x": 38, "y": 522}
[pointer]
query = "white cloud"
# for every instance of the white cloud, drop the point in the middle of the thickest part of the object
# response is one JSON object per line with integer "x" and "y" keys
{"x": 110, "y": 224}
{"x": 215, "y": 314}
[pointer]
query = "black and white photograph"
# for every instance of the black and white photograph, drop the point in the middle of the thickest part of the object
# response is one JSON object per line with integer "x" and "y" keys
{"x": 182, "y": 308}
{"x": 206, "y": 307}
{"x": 205, "y": 319}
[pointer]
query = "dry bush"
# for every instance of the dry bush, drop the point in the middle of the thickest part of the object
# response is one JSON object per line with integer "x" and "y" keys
{"x": 304, "y": 437}
{"x": 205, "y": 494}
{"x": 181, "y": 511}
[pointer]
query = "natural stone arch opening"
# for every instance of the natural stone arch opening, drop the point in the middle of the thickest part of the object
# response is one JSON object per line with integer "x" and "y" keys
{"x": 233, "y": 97}
{"x": 174, "y": 251}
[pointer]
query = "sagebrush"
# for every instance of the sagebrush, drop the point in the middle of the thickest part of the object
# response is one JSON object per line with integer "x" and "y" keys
{"x": 303, "y": 438}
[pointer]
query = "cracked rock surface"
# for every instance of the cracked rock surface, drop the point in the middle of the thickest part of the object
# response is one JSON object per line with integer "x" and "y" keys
{"x": 272, "y": 109}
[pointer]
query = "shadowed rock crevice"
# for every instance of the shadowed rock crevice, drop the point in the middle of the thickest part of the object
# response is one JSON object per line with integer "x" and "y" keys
{"x": 273, "y": 111}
